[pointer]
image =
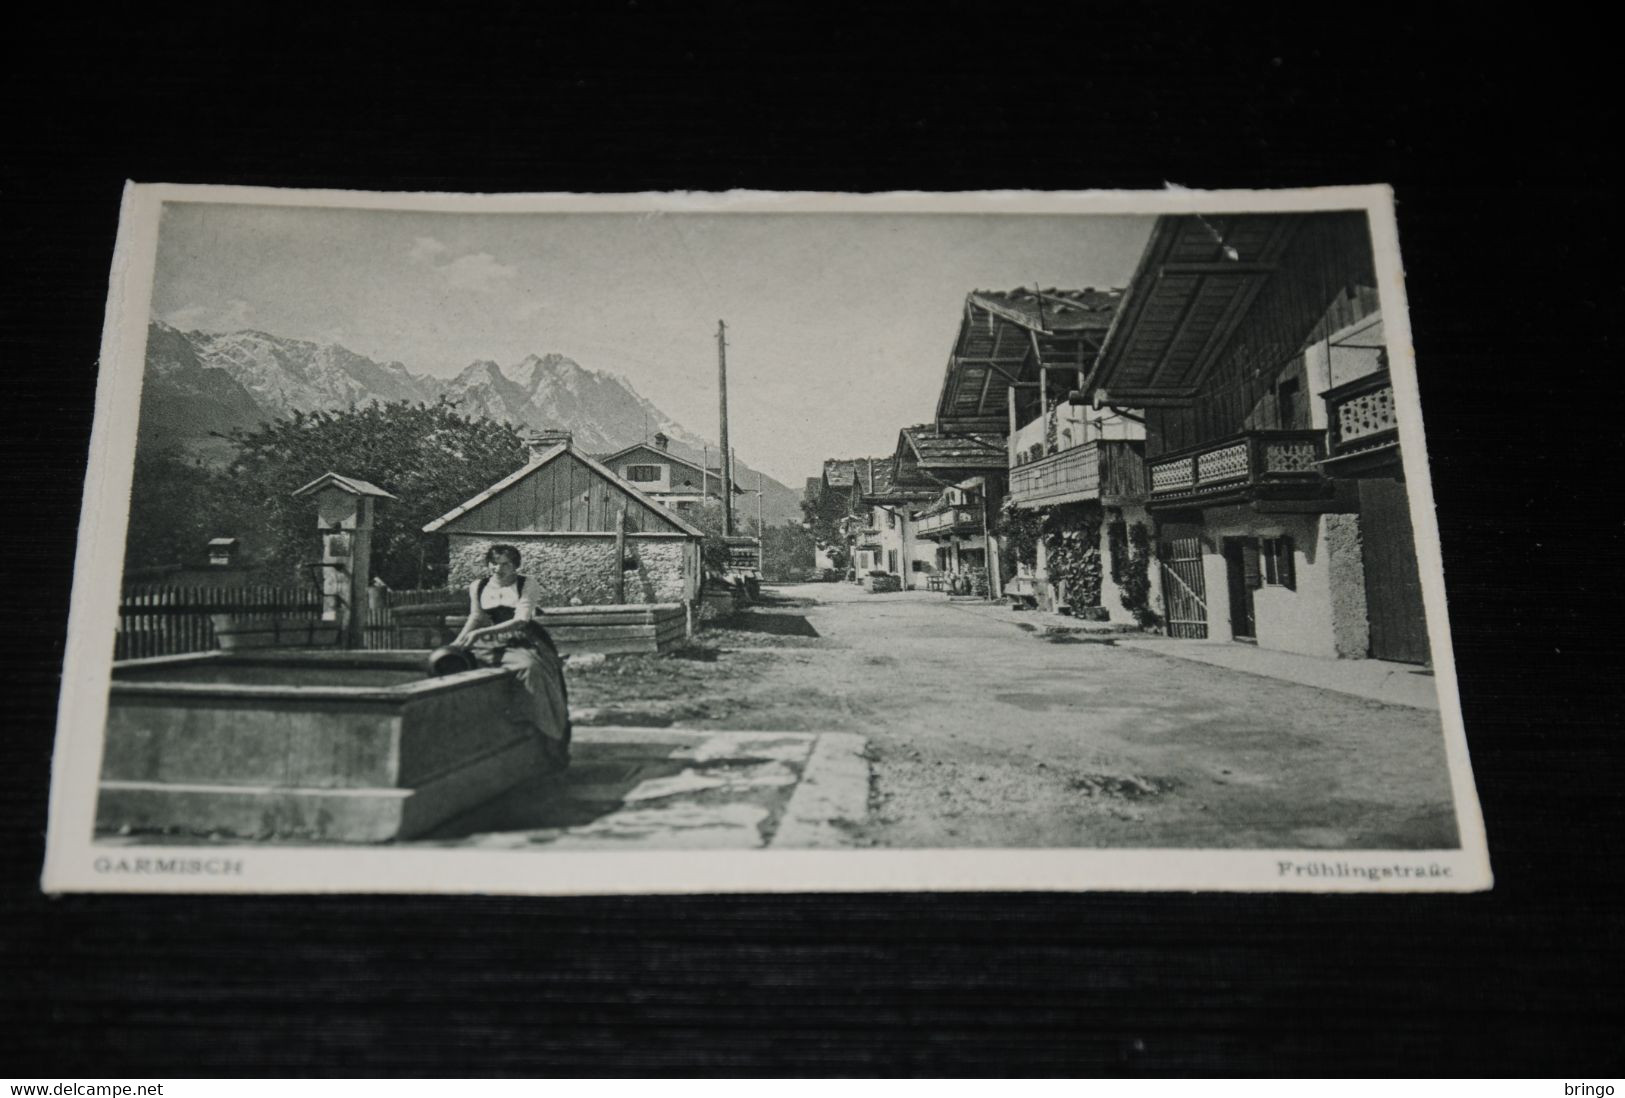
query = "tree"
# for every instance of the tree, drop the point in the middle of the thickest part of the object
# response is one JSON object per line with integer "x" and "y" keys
{"x": 429, "y": 455}
{"x": 176, "y": 506}
{"x": 824, "y": 513}
{"x": 786, "y": 550}
{"x": 708, "y": 517}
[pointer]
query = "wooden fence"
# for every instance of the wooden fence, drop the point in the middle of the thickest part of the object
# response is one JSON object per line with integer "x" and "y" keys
{"x": 409, "y": 619}
{"x": 160, "y": 620}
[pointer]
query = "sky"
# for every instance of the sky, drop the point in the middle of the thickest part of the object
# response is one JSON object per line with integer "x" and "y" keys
{"x": 839, "y": 325}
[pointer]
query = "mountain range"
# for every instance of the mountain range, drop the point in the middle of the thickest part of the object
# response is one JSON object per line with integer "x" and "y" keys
{"x": 201, "y": 385}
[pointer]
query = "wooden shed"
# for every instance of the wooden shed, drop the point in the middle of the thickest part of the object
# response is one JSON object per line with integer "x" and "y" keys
{"x": 582, "y": 533}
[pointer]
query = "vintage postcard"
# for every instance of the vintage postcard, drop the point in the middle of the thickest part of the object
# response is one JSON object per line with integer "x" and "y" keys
{"x": 759, "y": 542}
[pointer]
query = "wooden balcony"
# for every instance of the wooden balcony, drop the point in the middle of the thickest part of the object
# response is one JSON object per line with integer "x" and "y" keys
{"x": 1255, "y": 465}
{"x": 954, "y": 520}
{"x": 1363, "y": 436}
{"x": 1113, "y": 470}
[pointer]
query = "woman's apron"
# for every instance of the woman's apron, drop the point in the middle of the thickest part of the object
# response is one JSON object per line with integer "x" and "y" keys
{"x": 542, "y": 701}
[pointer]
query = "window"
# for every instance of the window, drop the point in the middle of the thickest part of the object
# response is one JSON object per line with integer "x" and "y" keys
{"x": 644, "y": 473}
{"x": 1278, "y": 564}
{"x": 1286, "y": 400}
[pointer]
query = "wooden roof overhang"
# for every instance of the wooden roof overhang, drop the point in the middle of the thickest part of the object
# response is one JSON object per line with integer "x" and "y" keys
{"x": 902, "y": 495}
{"x": 926, "y": 456}
{"x": 1196, "y": 280}
{"x": 1005, "y": 338}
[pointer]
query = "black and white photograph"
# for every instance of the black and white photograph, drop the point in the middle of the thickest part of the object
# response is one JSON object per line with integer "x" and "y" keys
{"x": 755, "y": 541}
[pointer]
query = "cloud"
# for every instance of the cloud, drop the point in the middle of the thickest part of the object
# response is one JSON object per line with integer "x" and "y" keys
{"x": 528, "y": 310}
{"x": 425, "y": 249}
{"x": 186, "y": 317}
{"x": 479, "y": 272}
{"x": 237, "y": 315}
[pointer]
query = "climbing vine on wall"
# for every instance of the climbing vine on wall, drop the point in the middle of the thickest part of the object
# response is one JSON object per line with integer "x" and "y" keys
{"x": 1020, "y": 530}
{"x": 1130, "y": 548}
{"x": 1072, "y": 548}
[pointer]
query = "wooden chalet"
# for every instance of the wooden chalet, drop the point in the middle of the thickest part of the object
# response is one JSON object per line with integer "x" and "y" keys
{"x": 1254, "y": 346}
{"x": 888, "y": 508}
{"x": 1017, "y": 349}
{"x": 663, "y": 476}
{"x": 966, "y": 472}
{"x": 854, "y": 481}
{"x": 1020, "y": 363}
{"x": 582, "y": 532}
{"x": 833, "y": 481}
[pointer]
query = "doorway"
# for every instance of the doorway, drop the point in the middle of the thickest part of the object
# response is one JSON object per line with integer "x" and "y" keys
{"x": 1241, "y": 570}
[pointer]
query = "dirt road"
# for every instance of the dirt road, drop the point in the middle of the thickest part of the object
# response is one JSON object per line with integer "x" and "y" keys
{"x": 984, "y": 733}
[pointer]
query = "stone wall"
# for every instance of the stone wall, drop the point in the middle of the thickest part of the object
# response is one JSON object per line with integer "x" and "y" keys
{"x": 567, "y": 568}
{"x": 1288, "y": 619}
{"x": 1351, "y": 628}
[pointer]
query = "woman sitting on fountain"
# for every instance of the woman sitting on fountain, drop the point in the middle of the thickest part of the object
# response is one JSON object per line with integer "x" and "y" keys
{"x": 502, "y": 631}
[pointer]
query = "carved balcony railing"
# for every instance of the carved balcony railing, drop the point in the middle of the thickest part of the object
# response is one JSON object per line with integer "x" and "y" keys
{"x": 1093, "y": 470}
{"x": 954, "y": 520}
{"x": 1252, "y": 465}
{"x": 1363, "y": 430}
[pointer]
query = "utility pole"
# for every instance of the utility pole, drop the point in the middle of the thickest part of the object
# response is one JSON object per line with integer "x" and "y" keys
{"x": 727, "y": 454}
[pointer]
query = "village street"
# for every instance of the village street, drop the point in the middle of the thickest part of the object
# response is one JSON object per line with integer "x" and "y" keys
{"x": 984, "y": 727}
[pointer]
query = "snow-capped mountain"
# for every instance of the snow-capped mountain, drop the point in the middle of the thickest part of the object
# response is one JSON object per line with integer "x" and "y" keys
{"x": 603, "y": 411}
{"x": 201, "y": 384}
{"x": 182, "y": 400}
{"x": 285, "y": 375}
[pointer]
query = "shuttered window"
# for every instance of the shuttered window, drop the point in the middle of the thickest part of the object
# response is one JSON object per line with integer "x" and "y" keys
{"x": 1249, "y": 564}
{"x": 1278, "y": 562}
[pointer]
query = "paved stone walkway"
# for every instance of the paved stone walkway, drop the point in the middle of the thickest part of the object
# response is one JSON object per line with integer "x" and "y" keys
{"x": 1379, "y": 680}
{"x": 661, "y": 789}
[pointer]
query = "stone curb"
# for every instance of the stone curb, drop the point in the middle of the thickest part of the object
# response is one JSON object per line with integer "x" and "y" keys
{"x": 834, "y": 789}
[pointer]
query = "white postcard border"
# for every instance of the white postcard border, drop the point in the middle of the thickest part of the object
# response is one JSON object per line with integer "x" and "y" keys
{"x": 74, "y": 863}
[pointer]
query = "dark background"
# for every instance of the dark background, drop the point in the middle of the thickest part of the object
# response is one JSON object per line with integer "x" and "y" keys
{"x": 1495, "y": 136}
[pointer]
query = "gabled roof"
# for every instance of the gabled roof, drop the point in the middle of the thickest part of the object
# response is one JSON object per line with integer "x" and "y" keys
{"x": 879, "y": 479}
{"x": 663, "y": 455}
{"x": 841, "y": 472}
{"x": 1006, "y": 338}
{"x": 880, "y": 484}
{"x": 927, "y": 455}
{"x": 540, "y": 462}
{"x": 354, "y": 485}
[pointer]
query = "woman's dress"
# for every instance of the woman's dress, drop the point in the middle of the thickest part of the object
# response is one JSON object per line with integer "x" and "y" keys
{"x": 542, "y": 701}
